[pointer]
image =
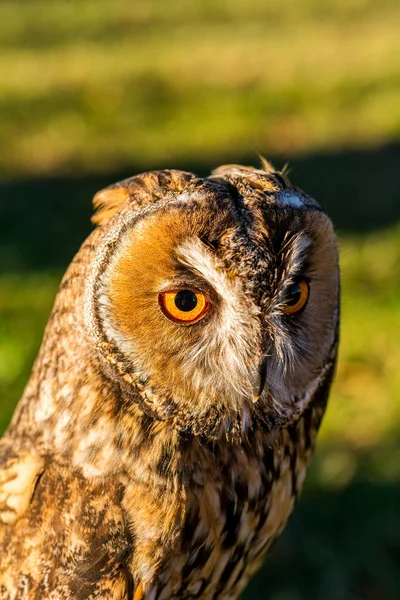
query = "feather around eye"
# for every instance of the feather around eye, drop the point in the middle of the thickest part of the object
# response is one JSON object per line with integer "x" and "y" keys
{"x": 183, "y": 306}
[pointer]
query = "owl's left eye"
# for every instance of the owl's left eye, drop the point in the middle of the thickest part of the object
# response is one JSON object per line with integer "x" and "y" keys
{"x": 183, "y": 306}
{"x": 297, "y": 297}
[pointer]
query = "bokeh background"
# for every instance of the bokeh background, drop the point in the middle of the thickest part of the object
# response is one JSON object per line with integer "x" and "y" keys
{"x": 94, "y": 91}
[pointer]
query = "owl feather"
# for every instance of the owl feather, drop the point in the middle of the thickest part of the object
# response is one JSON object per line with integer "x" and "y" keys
{"x": 166, "y": 430}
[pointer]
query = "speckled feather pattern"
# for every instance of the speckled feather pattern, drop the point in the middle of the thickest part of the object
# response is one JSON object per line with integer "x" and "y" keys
{"x": 121, "y": 477}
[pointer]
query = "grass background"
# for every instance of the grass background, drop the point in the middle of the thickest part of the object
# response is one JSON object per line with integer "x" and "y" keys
{"x": 94, "y": 91}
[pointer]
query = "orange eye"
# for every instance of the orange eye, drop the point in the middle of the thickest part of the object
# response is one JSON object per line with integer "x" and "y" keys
{"x": 297, "y": 297}
{"x": 183, "y": 306}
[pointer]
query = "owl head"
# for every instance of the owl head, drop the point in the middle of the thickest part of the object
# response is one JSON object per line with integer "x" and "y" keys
{"x": 213, "y": 302}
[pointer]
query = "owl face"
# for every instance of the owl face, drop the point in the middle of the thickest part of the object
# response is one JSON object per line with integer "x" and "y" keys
{"x": 216, "y": 306}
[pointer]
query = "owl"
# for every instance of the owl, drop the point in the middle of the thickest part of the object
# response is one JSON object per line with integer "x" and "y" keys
{"x": 165, "y": 433}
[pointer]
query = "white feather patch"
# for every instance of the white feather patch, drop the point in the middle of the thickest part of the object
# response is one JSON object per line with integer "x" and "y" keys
{"x": 193, "y": 253}
{"x": 229, "y": 341}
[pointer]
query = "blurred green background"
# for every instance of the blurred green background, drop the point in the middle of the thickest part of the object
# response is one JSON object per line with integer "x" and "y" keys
{"x": 94, "y": 91}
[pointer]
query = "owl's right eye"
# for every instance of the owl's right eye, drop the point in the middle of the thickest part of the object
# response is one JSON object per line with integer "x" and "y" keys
{"x": 183, "y": 306}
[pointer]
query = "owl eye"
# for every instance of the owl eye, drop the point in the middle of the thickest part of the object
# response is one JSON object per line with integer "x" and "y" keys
{"x": 183, "y": 306}
{"x": 297, "y": 297}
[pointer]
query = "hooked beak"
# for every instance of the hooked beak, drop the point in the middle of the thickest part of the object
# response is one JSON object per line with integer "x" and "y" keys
{"x": 258, "y": 377}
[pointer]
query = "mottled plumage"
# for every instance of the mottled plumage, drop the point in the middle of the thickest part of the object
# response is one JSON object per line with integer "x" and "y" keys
{"x": 150, "y": 459}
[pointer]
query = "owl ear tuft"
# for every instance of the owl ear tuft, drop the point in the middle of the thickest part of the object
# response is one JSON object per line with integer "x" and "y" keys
{"x": 107, "y": 202}
{"x": 266, "y": 165}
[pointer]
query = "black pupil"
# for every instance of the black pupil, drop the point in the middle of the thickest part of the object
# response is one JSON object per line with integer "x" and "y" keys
{"x": 294, "y": 295}
{"x": 185, "y": 300}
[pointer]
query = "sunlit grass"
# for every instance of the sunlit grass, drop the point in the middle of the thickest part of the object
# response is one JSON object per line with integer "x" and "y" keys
{"x": 94, "y": 85}
{"x": 25, "y": 304}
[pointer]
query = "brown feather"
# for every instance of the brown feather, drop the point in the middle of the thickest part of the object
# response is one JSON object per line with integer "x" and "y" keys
{"x": 107, "y": 202}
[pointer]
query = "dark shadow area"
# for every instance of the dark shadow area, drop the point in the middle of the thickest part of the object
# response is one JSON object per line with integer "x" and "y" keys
{"x": 43, "y": 221}
{"x": 338, "y": 546}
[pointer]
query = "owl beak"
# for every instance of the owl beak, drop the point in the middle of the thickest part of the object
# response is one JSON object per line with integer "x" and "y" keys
{"x": 258, "y": 377}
